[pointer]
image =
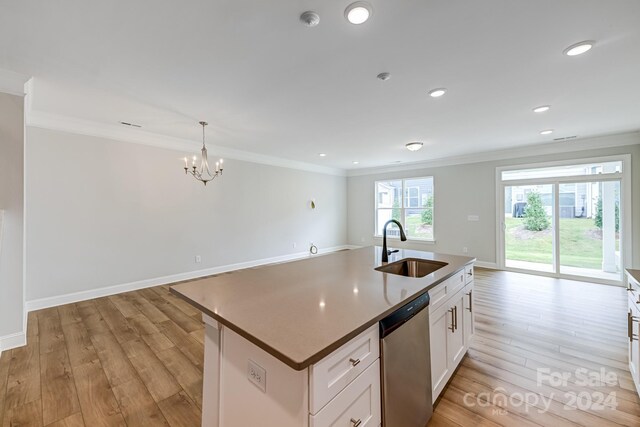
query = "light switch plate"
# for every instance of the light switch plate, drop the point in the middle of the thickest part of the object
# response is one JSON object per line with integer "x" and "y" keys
{"x": 257, "y": 375}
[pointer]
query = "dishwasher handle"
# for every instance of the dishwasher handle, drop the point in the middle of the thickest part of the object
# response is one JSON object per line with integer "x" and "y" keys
{"x": 401, "y": 315}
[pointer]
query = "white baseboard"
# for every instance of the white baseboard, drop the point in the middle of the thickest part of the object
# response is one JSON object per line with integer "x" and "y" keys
{"x": 12, "y": 341}
{"x": 157, "y": 281}
{"x": 489, "y": 265}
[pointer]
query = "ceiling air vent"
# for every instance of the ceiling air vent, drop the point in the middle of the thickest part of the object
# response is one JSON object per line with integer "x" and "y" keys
{"x": 131, "y": 124}
{"x": 564, "y": 138}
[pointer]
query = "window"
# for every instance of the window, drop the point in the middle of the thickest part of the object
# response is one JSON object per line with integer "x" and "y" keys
{"x": 409, "y": 201}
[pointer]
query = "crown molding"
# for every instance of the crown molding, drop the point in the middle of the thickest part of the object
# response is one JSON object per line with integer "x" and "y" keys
{"x": 12, "y": 83}
{"x": 580, "y": 144}
{"x": 57, "y": 122}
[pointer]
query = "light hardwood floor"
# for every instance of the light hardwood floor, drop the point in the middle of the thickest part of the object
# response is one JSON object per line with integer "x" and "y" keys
{"x": 136, "y": 359}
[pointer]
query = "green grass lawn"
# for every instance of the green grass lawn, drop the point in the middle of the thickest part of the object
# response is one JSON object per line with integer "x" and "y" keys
{"x": 416, "y": 229}
{"x": 580, "y": 244}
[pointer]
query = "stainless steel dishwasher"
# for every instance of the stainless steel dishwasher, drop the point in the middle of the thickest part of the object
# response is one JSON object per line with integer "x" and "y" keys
{"x": 406, "y": 366}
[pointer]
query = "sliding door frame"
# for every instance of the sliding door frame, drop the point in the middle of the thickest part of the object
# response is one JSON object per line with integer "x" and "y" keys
{"x": 625, "y": 212}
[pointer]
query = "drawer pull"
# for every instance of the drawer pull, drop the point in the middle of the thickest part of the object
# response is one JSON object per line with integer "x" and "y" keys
{"x": 455, "y": 310}
{"x": 452, "y": 328}
{"x": 356, "y": 423}
{"x": 470, "y": 273}
{"x": 354, "y": 362}
{"x": 469, "y": 294}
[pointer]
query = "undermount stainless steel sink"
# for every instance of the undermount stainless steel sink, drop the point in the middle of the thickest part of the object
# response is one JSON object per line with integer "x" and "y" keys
{"x": 412, "y": 267}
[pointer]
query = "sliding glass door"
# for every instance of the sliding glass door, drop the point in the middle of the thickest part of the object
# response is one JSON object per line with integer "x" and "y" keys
{"x": 563, "y": 221}
{"x": 589, "y": 229}
{"x": 528, "y": 227}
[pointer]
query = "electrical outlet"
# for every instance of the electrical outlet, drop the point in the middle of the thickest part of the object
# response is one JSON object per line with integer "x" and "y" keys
{"x": 473, "y": 218}
{"x": 198, "y": 259}
{"x": 257, "y": 375}
{"x": 465, "y": 250}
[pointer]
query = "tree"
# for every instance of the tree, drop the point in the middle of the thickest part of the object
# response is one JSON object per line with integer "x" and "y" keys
{"x": 535, "y": 217}
{"x": 427, "y": 213}
{"x": 598, "y": 218}
{"x": 395, "y": 212}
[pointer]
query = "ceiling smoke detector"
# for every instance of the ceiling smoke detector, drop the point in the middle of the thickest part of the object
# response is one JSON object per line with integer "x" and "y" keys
{"x": 310, "y": 18}
{"x": 414, "y": 146}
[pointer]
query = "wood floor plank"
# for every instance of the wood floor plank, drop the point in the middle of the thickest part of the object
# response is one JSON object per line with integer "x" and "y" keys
{"x": 23, "y": 382}
{"x": 146, "y": 307}
{"x": 151, "y": 370}
{"x": 74, "y": 420}
{"x": 157, "y": 342}
{"x": 126, "y": 307}
{"x": 79, "y": 346}
{"x": 59, "y": 397}
{"x": 186, "y": 322}
{"x": 99, "y": 405}
{"x": 27, "y": 415}
{"x": 186, "y": 373}
{"x": 69, "y": 314}
{"x": 185, "y": 342}
{"x": 5, "y": 360}
{"x": 117, "y": 322}
{"x": 179, "y": 410}
{"x": 93, "y": 320}
{"x": 137, "y": 405}
{"x": 50, "y": 330}
{"x": 115, "y": 363}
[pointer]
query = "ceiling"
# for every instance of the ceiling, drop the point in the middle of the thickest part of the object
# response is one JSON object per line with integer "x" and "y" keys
{"x": 269, "y": 85}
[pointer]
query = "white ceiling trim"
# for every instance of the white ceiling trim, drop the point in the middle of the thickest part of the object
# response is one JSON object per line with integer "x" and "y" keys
{"x": 580, "y": 144}
{"x": 12, "y": 83}
{"x": 117, "y": 132}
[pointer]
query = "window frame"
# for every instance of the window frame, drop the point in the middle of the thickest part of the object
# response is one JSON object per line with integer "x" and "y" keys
{"x": 403, "y": 208}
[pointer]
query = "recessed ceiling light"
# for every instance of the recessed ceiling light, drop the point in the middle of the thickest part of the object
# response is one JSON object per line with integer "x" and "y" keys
{"x": 384, "y": 76}
{"x": 355, "y": 162}
{"x": 579, "y": 48}
{"x": 310, "y": 18}
{"x": 358, "y": 13}
{"x": 322, "y": 155}
{"x": 437, "y": 93}
{"x": 542, "y": 109}
{"x": 546, "y": 132}
{"x": 414, "y": 146}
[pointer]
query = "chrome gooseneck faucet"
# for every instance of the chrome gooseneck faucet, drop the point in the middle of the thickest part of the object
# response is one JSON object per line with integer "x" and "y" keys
{"x": 403, "y": 237}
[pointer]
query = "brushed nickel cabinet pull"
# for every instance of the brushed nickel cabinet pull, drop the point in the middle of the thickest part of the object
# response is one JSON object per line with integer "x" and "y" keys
{"x": 470, "y": 273}
{"x": 455, "y": 316}
{"x": 356, "y": 423}
{"x": 354, "y": 362}
{"x": 469, "y": 294}
{"x": 629, "y": 326}
{"x": 453, "y": 324}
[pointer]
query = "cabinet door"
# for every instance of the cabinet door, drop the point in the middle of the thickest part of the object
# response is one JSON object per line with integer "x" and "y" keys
{"x": 456, "y": 337}
{"x": 439, "y": 324}
{"x": 634, "y": 343}
{"x": 467, "y": 317}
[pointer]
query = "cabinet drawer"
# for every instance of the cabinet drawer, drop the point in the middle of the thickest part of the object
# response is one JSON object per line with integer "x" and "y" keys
{"x": 445, "y": 290}
{"x": 468, "y": 273}
{"x": 333, "y": 373}
{"x": 358, "y": 402}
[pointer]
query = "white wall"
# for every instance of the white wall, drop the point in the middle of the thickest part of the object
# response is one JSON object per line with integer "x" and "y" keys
{"x": 12, "y": 202}
{"x": 469, "y": 189}
{"x": 103, "y": 213}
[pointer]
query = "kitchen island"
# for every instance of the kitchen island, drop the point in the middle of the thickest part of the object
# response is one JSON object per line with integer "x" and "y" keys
{"x": 279, "y": 339}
